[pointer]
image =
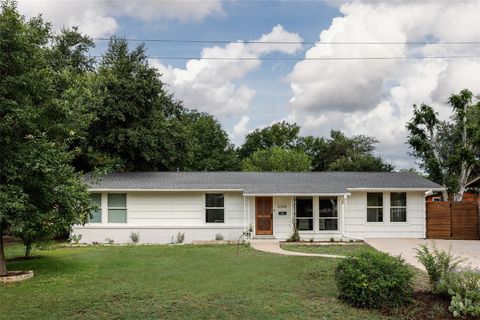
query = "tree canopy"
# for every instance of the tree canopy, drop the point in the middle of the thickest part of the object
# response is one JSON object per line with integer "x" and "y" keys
{"x": 40, "y": 192}
{"x": 337, "y": 153}
{"x": 449, "y": 151}
{"x": 278, "y": 160}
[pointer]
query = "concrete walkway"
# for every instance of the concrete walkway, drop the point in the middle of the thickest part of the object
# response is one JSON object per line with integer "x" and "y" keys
{"x": 466, "y": 249}
{"x": 273, "y": 246}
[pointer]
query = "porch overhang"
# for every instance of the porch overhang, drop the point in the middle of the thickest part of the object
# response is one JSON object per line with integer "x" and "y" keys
{"x": 296, "y": 194}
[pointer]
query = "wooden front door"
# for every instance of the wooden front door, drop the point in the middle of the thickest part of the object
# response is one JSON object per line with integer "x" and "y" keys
{"x": 264, "y": 215}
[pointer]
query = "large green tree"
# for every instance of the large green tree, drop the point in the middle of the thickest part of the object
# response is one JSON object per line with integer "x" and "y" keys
{"x": 336, "y": 153}
{"x": 278, "y": 160}
{"x": 136, "y": 125}
{"x": 40, "y": 193}
{"x": 281, "y": 134}
{"x": 449, "y": 151}
{"x": 342, "y": 153}
{"x": 210, "y": 144}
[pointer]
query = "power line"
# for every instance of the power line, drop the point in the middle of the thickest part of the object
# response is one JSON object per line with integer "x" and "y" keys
{"x": 299, "y": 42}
{"x": 305, "y": 59}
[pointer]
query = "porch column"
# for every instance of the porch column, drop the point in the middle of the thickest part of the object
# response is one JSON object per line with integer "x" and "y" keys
{"x": 344, "y": 216}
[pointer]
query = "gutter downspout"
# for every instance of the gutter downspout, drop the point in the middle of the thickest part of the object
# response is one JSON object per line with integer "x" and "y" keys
{"x": 424, "y": 213}
{"x": 344, "y": 217}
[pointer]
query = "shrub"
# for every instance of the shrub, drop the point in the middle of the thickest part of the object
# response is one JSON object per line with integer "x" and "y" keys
{"x": 460, "y": 281}
{"x": 75, "y": 238}
{"x": 464, "y": 287}
{"x": 219, "y": 237}
{"x": 374, "y": 279}
{"x": 180, "y": 237}
{"x": 135, "y": 237}
{"x": 109, "y": 241}
{"x": 438, "y": 263}
{"x": 332, "y": 239}
{"x": 294, "y": 237}
{"x": 464, "y": 306}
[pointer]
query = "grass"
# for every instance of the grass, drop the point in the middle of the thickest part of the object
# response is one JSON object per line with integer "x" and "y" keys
{"x": 337, "y": 249}
{"x": 173, "y": 282}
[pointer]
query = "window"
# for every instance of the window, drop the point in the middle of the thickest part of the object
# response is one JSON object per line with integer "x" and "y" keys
{"x": 304, "y": 213}
{"x": 398, "y": 207}
{"x": 214, "y": 208}
{"x": 328, "y": 214}
{"x": 96, "y": 214}
{"x": 375, "y": 207}
{"x": 117, "y": 208}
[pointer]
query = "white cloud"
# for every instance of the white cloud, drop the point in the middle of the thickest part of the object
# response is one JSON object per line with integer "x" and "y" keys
{"x": 376, "y": 97}
{"x": 209, "y": 85}
{"x": 98, "y": 18}
{"x": 240, "y": 129}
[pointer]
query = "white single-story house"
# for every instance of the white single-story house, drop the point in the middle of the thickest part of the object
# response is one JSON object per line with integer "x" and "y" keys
{"x": 322, "y": 205}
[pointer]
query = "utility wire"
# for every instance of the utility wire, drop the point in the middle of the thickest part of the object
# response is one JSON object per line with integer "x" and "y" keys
{"x": 307, "y": 59}
{"x": 299, "y": 42}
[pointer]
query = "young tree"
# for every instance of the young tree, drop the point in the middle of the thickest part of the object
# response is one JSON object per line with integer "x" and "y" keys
{"x": 40, "y": 193}
{"x": 278, "y": 160}
{"x": 449, "y": 150}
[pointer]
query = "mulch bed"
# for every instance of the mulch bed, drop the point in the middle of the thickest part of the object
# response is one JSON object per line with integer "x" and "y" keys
{"x": 427, "y": 306}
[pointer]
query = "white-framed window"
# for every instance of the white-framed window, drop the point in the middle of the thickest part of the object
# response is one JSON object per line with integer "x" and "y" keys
{"x": 398, "y": 207}
{"x": 436, "y": 199}
{"x": 117, "y": 208}
{"x": 214, "y": 208}
{"x": 304, "y": 213}
{"x": 96, "y": 214}
{"x": 328, "y": 214}
{"x": 374, "y": 207}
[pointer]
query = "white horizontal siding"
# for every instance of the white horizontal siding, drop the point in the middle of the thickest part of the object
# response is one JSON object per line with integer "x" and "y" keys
{"x": 160, "y": 215}
{"x": 358, "y": 227}
{"x": 282, "y": 225}
{"x": 163, "y": 214}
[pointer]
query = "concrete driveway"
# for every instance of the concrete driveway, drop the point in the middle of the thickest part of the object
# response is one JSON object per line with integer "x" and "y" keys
{"x": 468, "y": 249}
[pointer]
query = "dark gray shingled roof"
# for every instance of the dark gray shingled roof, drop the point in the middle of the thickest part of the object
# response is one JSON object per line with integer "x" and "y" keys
{"x": 262, "y": 182}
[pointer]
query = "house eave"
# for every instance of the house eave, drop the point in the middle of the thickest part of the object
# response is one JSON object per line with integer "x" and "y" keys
{"x": 395, "y": 189}
{"x": 296, "y": 194}
{"x": 159, "y": 190}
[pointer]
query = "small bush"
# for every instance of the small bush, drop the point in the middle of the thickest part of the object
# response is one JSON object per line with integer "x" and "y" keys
{"x": 219, "y": 237}
{"x": 135, "y": 237}
{"x": 438, "y": 263}
{"x": 460, "y": 281}
{"x": 180, "y": 237}
{"x": 109, "y": 241}
{"x": 375, "y": 280}
{"x": 294, "y": 237}
{"x": 465, "y": 306}
{"x": 75, "y": 238}
{"x": 463, "y": 285}
{"x": 311, "y": 240}
{"x": 332, "y": 239}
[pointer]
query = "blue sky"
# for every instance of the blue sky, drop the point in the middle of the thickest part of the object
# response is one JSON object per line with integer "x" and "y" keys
{"x": 372, "y": 97}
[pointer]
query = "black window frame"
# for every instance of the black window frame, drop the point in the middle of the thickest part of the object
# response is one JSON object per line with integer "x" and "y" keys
{"x": 216, "y": 208}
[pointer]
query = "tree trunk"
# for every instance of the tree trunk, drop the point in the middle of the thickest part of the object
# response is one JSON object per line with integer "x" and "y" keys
{"x": 3, "y": 262}
{"x": 445, "y": 194}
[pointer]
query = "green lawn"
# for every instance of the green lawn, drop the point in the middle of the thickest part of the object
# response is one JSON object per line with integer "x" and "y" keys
{"x": 173, "y": 282}
{"x": 337, "y": 249}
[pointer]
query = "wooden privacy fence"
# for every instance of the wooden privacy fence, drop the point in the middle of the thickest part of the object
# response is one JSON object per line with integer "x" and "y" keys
{"x": 453, "y": 220}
